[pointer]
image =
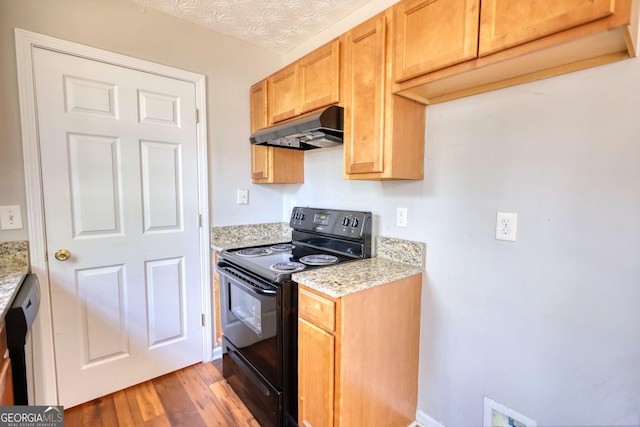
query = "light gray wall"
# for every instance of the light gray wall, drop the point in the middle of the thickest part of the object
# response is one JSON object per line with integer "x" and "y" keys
{"x": 549, "y": 325}
{"x": 125, "y": 27}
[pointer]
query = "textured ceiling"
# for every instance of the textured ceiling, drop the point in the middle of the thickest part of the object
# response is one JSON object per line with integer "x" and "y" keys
{"x": 275, "y": 25}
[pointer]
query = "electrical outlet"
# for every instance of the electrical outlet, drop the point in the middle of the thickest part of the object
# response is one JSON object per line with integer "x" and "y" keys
{"x": 401, "y": 217}
{"x": 506, "y": 226}
{"x": 243, "y": 196}
{"x": 10, "y": 217}
{"x": 496, "y": 414}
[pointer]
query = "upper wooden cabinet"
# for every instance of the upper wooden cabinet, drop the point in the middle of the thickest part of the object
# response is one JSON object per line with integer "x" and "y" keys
{"x": 434, "y": 34}
{"x": 283, "y": 94}
{"x": 519, "y": 41}
{"x": 383, "y": 133}
{"x": 310, "y": 83}
{"x": 271, "y": 165}
{"x": 320, "y": 77}
{"x": 259, "y": 115}
{"x": 505, "y": 23}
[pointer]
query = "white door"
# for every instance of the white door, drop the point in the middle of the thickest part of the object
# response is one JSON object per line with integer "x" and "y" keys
{"x": 119, "y": 173}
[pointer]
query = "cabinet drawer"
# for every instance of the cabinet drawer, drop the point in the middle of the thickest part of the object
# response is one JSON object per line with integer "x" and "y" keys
{"x": 317, "y": 309}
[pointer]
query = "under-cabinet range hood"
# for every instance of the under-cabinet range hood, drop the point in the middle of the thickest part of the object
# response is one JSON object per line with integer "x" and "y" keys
{"x": 324, "y": 129}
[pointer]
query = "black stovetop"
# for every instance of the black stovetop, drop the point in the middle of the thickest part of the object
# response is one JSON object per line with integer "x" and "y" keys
{"x": 327, "y": 233}
{"x": 265, "y": 266}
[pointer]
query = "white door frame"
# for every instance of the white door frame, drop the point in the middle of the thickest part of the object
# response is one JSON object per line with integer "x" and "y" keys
{"x": 44, "y": 368}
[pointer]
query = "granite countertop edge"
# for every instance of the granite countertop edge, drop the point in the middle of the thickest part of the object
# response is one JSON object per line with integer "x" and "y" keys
{"x": 10, "y": 279}
{"x": 351, "y": 277}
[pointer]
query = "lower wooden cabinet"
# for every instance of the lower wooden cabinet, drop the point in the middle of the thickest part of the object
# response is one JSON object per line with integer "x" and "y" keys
{"x": 6, "y": 379}
{"x": 358, "y": 356}
{"x": 216, "y": 299}
{"x": 316, "y": 352}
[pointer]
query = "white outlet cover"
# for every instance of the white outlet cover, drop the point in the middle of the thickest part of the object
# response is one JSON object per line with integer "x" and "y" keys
{"x": 401, "y": 217}
{"x": 506, "y": 226}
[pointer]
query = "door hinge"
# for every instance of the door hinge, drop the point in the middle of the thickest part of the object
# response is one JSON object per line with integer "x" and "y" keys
{"x": 202, "y": 319}
{"x": 200, "y": 220}
{"x": 46, "y": 256}
{"x": 197, "y": 115}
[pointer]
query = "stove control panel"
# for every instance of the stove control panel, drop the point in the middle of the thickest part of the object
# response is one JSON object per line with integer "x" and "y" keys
{"x": 354, "y": 224}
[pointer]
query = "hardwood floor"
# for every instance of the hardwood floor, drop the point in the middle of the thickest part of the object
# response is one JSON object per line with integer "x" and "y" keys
{"x": 194, "y": 396}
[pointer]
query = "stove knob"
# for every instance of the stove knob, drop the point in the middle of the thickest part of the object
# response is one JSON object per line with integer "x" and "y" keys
{"x": 346, "y": 221}
{"x": 355, "y": 222}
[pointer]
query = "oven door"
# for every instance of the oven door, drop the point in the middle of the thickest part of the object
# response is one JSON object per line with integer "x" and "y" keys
{"x": 249, "y": 319}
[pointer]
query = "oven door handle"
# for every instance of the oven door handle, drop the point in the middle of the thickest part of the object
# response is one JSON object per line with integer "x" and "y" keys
{"x": 247, "y": 282}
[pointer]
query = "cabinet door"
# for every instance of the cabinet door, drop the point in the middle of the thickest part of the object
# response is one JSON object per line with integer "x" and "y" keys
{"x": 283, "y": 94}
{"x": 316, "y": 373}
{"x": 320, "y": 77}
{"x": 364, "y": 96}
{"x": 258, "y": 97}
{"x": 434, "y": 34}
{"x": 260, "y": 163}
{"x": 507, "y": 23}
{"x": 273, "y": 165}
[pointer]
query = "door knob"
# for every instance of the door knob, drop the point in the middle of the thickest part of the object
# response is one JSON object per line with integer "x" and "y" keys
{"x": 62, "y": 255}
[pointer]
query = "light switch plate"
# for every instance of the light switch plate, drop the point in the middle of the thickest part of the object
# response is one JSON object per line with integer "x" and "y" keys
{"x": 243, "y": 196}
{"x": 10, "y": 217}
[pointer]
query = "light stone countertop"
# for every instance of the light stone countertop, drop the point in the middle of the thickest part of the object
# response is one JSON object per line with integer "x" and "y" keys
{"x": 14, "y": 267}
{"x": 396, "y": 259}
{"x": 350, "y": 277}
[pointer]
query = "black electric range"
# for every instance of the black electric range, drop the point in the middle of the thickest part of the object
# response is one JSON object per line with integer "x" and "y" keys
{"x": 259, "y": 305}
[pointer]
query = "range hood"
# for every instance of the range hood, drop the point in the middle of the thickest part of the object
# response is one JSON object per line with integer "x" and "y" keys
{"x": 324, "y": 129}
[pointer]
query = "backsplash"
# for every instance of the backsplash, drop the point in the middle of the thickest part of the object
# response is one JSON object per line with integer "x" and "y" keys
{"x": 14, "y": 253}
{"x": 405, "y": 251}
{"x": 232, "y": 236}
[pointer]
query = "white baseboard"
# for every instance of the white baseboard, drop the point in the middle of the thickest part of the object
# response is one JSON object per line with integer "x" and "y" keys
{"x": 424, "y": 420}
{"x": 217, "y": 353}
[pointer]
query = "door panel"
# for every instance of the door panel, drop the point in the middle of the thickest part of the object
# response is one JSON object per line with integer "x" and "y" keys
{"x": 96, "y": 195}
{"x": 89, "y": 97}
{"x": 159, "y": 109}
{"x": 102, "y": 298}
{"x": 161, "y": 186}
{"x": 165, "y": 305}
{"x": 120, "y": 189}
